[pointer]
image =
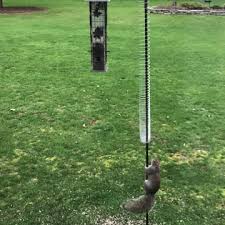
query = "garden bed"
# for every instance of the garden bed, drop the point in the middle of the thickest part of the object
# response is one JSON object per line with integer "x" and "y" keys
{"x": 185, "y": 11}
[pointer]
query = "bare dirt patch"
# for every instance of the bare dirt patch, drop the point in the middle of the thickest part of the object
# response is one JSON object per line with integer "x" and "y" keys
{"x": 15, "y": 10}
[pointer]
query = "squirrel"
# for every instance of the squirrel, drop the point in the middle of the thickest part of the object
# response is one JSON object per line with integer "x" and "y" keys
{"x": 151, "y": 185}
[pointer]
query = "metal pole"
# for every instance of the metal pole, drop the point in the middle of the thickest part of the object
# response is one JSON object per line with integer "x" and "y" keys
{"x": 146, "y": 88}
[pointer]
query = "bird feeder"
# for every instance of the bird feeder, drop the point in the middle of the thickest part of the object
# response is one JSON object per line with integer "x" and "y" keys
{"x": 98, "y": 34}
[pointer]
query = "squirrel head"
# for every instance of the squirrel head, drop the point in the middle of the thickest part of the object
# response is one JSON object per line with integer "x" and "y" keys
{"x": 155, "y": 163}
{"x": 153, "y": 168}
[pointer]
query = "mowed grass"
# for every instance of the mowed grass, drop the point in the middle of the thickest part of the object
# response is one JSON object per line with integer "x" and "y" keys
{"x": 69, "y": 142}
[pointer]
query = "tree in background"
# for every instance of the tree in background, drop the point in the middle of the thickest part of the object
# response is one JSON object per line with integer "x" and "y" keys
{"x": 1, "y": 3}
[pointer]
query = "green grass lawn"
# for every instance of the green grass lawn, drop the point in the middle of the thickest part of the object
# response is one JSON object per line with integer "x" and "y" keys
{"x": 69, "y": 141}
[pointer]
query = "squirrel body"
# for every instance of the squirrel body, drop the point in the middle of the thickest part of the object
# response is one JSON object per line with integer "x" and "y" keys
{"x": 145, "y": 202}
{"x": 152, "y": 183}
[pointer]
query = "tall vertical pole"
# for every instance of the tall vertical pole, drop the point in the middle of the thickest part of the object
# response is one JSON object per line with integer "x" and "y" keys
{"x": 146, "y": 88}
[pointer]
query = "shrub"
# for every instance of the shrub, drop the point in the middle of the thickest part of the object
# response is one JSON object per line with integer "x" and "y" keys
{"x": 193, "y": 5}
{"x": 217, "y": 7}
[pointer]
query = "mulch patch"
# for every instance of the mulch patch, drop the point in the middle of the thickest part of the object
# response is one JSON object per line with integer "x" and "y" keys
{"x": 12, "y": 10}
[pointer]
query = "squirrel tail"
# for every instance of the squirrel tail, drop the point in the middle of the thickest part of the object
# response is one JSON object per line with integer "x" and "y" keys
{"x": 141, "y": 204}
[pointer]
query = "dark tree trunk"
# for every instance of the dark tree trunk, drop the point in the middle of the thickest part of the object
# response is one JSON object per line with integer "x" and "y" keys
{"x": 1, "y": 3}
